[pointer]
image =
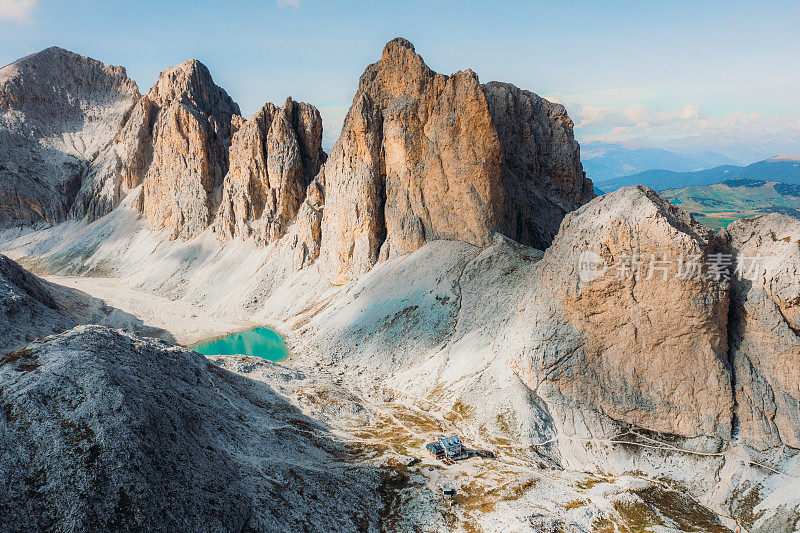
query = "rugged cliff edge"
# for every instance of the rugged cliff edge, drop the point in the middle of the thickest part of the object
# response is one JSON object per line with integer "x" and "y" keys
{"x": 273, "y": 159}
{"x": 79, "y": 138}
{"x": 765, "y": 330}
{"x": 424, "y": 156}
{"x": 27, "y": 308}
{"x": 175, "y": 144}
{"x": 642, "y": 341}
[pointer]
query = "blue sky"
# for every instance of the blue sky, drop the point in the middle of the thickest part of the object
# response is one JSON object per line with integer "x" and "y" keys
{"x": 682, "y": 75}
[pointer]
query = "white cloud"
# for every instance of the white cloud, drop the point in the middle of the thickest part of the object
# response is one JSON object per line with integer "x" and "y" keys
{"x": 614, "y": 97}
{"x": 294, "y": 4}
{"x": 688, "y": 127}
{"x": 19, "y": 11}
{"x": 642, "y": 117}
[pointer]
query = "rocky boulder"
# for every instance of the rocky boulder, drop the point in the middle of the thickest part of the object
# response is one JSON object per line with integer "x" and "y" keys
{"x": 104, "y": 431}
{"x": 765, "y": 329}
{"x": 58, "y": 112}
{"x": 628, "y": 322}
{"x": 424, "y": 156}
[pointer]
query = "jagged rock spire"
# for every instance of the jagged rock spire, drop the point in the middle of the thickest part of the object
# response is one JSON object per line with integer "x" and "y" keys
{"x": 424, "y": 156}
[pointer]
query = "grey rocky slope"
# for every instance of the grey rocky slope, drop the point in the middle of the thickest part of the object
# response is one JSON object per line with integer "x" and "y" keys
{"x": 574, "y": 357}
{"x": 505, "y": 336}
{"x": 104, "y": 431}
{"x": 58, "y": 111}
{"x": 27, "y": 308}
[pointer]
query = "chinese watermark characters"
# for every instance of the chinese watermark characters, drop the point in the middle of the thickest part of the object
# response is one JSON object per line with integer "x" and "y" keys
{"x": 715, "y": 266}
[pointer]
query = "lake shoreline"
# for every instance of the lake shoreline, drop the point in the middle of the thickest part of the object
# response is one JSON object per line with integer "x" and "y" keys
{"x": 263, "y": 342}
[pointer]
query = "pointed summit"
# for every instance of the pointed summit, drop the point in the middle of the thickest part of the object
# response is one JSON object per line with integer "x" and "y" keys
{"x": 70, "y": 104}
{"x": 426, "y": 156}
{"x": 191, "y": 83}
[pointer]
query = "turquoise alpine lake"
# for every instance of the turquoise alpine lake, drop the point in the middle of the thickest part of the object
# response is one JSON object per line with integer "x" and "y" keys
{"x": 259, "y": 342}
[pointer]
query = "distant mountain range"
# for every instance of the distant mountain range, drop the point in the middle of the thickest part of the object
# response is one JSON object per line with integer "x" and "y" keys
{"x": 720, "y": 204}
{"x": 784, "y": 168}
{"x": 604, "y": 161}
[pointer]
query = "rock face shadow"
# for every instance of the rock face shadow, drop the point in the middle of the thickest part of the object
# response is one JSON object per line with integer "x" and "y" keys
{"x": 86, "y": 309}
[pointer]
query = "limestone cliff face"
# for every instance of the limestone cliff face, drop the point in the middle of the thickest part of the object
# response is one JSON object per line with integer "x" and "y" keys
{"x": 542, "y": 174}
{"x": 80, "y": 138}
{"x": 201, "y": 163}
{"x": 191, "y": 137}
{"x": 643, "y": 340}
{"x": 175, "y": 142}
{"x": 274, "y": 157}
{"x": 424, "y": 156}
{"x": 765, "y": 329}
{"x": 58, "y": 111}
{"x": 120, "y": 167}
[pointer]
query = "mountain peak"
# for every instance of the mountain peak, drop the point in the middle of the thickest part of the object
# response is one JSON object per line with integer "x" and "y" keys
{"x": 191, "y": 82}
{"x": 400, "y": 42}
{"x": 463, "y": 152}
{"x": 72, "y": 104}
{"x": 191, "y": 66}
{"x": 53, "y": 65}
{"x": 45, "y": 55}
{"x": 785, "y": 157}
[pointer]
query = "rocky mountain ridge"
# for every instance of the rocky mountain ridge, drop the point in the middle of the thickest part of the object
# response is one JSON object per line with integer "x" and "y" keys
{"x": 273, "y": 159}
{"x": 407, "y": 263}
{"x": 58, "y": 111}
{"x": 426, "y": 156}
{"x": 415, "y": 144}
